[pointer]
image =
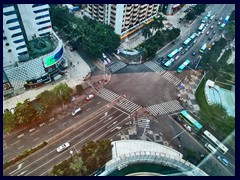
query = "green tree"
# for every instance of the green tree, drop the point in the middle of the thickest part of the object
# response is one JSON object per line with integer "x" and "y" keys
{"x": 157, "y": 23}
{"x": 146, "y": 32}
{"x": 24, "y": 113}
{"x": 79, "y": 89}
{"x": 63, "y": 93}
{"x": 230, "y": 29}
{"x": 199, "y": 9}
{"x": 8, "y": 121}
{"x": 190, "y": 16}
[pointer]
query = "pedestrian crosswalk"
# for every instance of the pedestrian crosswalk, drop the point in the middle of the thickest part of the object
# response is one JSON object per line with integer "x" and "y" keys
{"x": 155, "y": 67}
{"x": 143, "y": 123}
{"x": 107, "y": 94}
{"x": 171, "y": 78}
{"x": 116, "y": 66}
{"x": 164, "y": 108}
{"x": 127, "y": 105}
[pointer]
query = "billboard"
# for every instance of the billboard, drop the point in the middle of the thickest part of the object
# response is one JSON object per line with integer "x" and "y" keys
{"x": 54, "y": 58}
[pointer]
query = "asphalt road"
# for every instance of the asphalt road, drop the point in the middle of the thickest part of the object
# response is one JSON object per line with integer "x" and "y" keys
{"x": 100, "y": 125}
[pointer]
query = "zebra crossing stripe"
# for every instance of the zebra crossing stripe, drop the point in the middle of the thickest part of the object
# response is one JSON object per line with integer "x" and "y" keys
{"x": 115, "y": 67}
{"x": 107, "y": 95}
{"x": 153, "y": 66}
{"x": 171, "y": 78}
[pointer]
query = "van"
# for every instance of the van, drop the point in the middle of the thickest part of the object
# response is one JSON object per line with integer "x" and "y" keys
{"x": 76, "y": 111}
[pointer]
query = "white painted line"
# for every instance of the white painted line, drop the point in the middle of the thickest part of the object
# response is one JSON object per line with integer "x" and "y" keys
{"x": 41, "y": 124}
{"x": 52, "y": 119}
{"x": 88, "y": 109}
{"x": 52, "y": 123}
{"x": 99, "y": 102}
{"x": 15, "y": 143}
{"x": 64, "y": 123}
{"x": 5, "y": 155}
{"x": 34, "y": 132}
{"x": 21, "y": 135}
{"x": 31, "y": 130}
{"x": 36, "y": 138}
{"x": 21, "y": 147}
{"x": 50, "y": 131}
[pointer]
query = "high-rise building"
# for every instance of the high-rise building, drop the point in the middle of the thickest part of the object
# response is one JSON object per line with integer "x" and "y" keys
{"x": 31, "y": 49}
{"x": 122, "y": 17}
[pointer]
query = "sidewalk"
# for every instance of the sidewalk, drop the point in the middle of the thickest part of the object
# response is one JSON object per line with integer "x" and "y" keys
{"x": 74, "y": 76}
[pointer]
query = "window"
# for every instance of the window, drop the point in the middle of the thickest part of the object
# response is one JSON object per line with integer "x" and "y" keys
{"x": 21, "y": 47}
{"x": 43, "y": 16}
{"x": 43, "y": 22}
{"x": 14, "y": 27}
{"x": 40, "y": 29}
{"x": 17, "y": 34}
{"x": 12, "y": 20}
{"x": 9, "y": 13}
{"x": 40, "y": 10}
{"x": 18, "y": 41}
{"x": 37, "y": 5}
{"x": 7, "y": 44}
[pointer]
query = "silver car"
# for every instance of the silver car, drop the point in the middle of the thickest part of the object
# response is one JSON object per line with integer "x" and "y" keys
{"x": 63, "y": 147}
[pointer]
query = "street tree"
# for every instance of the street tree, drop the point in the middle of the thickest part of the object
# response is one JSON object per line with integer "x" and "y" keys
{"x": 146, "y": 32}
{"x": 157, "y": 23}
{"x": 8, "y": 121}
{"x": 62, "y": 92}
{"x": 230, "y": 30}
{"x": 24, "y": 113}
{"x": 199, "y": 9}
{"x": 79, "y": 89}
{"x": 190, "y": 16}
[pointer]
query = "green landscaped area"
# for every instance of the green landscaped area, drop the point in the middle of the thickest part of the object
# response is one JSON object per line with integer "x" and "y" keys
{"x": 41, "y": 46}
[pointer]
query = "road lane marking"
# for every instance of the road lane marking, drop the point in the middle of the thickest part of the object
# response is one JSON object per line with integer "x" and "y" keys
{"x": 88, "y": 109}
{"x": 64, "y": 123}
{"x": 34, "y": 132}
{"x": 99, "y": 102}
{"x": 21, "y": 135}
{"x": 52, "y": 123}
{"x": 15, "y": 143}
{"x": 21, "y": 147}
{"x": 50, "y": 131}
{"x": 5, "y": 155}
{"x": 36, "y": 139}
{"x": 31, "y": 130}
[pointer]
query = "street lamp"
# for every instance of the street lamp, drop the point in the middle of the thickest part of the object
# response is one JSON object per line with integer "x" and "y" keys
{"x": 218, "y": 94}
{"x": 177, "y": 136}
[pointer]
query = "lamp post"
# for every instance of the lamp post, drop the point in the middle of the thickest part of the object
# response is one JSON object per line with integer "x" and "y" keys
{"x": 177, "y": 136}
{"x": 218, "y": 94}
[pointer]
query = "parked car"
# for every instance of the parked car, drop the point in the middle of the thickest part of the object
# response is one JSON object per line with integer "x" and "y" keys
{"x": 76, "y": 111}
{"x": 187, "y": 127}
{"x": 223, "y": 160}
{"x": 63, "y": 147}
{"x": 89, "y": 97}
{"x": 211, "y": 27}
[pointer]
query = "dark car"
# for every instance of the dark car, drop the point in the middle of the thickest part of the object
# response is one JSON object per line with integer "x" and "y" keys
{"x": 210, "y": 37}
{"x": 214, "y": 32}
{"x": 177, "y": 118}
{"x": 183, "y": 52}
{"x": 164, "y": 61}
{"x": 160, "y": 59}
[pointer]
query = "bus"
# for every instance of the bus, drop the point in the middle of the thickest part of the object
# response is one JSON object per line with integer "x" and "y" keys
{"x": 214, "y": 141}
{"x": 183, "y": 65}
{"x": 222, "y": 26}
{"x": 172, "y": 54}
{"x": 226, "y": 19}
{"x": 201, "y": 27}
{"x": 193, "y": 36}
{"x": 210, "y": 148}
{"x": 203, "y": 48}
{"x": 186, "y": 42}
{"x": 193, "y": 122}
{"x": 169, "y": 63}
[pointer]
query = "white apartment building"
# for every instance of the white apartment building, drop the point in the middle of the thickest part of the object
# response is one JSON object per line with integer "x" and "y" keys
{"x": 122, "y": 17}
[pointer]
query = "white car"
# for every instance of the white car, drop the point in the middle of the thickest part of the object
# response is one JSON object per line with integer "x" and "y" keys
{"x": 211, "y": 27}
{"x": 63, "y": 147}
{"x": 181, "y": 48}
{"x": 187, "y": 127}
{"x": 108, "y": 60}
{"x": 76, "y": 111}
{"x": 207, "y": 33}
{"x": 104, "y": 55}
{"x": 89, "y": 97}
{"x": 177, "y": 57}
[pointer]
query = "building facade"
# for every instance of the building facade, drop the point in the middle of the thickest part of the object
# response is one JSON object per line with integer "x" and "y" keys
{"x": 122, "y": 17}
{"x": 31, "y": 50}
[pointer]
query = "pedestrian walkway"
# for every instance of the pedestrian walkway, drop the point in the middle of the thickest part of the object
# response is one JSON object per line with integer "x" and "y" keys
{"x": 171, "y": 78}
{"x": 153, "y": 66}
{"x": 143, "y": 123}
{"x": 127, "y": 105}
{"x": 116, "y": 66}
{"x": 165, "y": 108}
{"x": 107, "y": 95}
